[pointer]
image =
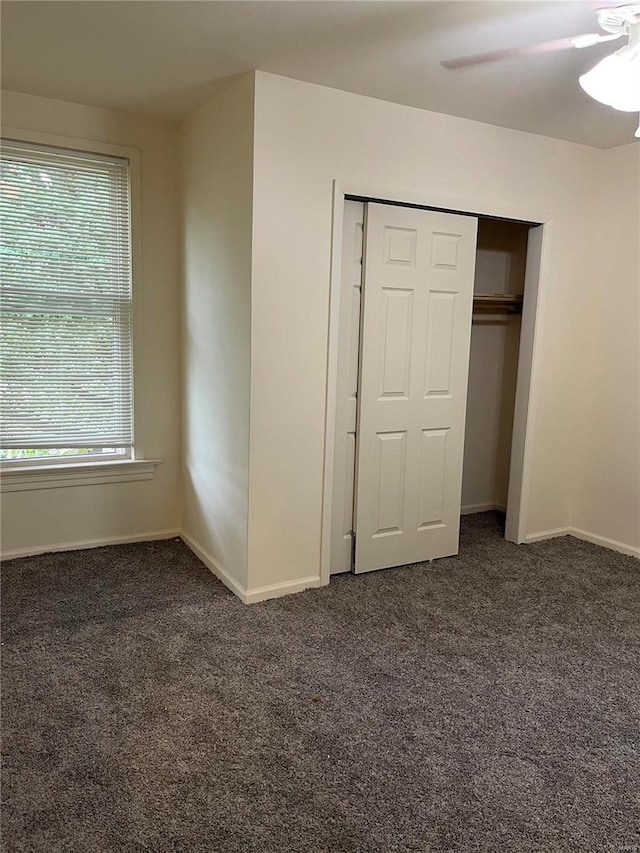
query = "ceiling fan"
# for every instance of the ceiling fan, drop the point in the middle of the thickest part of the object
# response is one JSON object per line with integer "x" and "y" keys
{"x": 615, "y": 81}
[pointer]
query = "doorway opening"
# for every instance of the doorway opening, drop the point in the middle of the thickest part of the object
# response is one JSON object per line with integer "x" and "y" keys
{"x": 497, "y": 399}
{"x": 498, "y": 296}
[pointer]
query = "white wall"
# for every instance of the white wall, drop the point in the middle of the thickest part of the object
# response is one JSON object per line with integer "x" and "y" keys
{"x": 33, "y": 520}
{"x": 607, "y": 482}
{"x": 256, "y": 308}
{"x": 305, "y": 137}
{"x": 217, "y": 170}
{"x": 493, "y": 363}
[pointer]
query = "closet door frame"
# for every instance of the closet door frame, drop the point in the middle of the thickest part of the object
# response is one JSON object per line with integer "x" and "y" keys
{"x": 529, "y": 367}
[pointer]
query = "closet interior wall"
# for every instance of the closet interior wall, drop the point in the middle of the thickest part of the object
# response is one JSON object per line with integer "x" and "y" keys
{"x": 495, "y": 338}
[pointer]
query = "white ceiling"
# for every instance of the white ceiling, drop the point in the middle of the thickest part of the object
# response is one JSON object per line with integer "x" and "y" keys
{"x": 167, "y": 57}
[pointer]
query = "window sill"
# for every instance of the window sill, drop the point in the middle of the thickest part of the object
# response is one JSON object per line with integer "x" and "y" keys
{"x": 32, "y": 477}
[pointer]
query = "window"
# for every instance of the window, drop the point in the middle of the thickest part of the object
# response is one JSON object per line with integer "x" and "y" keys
{"x": 66, "y": 367}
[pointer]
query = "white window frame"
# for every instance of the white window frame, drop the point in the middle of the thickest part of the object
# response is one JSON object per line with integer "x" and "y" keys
{"x": 59, "y": 472}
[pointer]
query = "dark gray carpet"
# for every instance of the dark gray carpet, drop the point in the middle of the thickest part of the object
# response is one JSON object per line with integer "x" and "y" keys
{"x": 490, "y": 702}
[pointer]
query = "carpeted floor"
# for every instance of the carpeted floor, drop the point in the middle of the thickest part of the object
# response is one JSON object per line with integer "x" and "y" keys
{"x": 489, "y": 702}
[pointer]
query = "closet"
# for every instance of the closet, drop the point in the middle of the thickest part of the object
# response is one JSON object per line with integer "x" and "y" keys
{"x": 403, "y": 466}
{"x": 495, "y": 338}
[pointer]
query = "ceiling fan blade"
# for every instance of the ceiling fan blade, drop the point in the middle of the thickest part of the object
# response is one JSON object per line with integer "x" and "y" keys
{"x": 528, "y": 50}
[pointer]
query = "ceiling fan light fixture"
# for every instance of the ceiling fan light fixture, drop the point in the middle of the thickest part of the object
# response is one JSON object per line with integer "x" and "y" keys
{"x": 616, "y": 80}
{"x": 589, "y": 39}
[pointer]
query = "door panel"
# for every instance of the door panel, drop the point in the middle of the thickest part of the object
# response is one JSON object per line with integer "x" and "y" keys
{"x": 394, "y": 343}
{"x": 433, "y": 468}
{"x": 390, "y": 465}
{"x": 440, "y": 339}
{"x": 345, "y": 434}
{"x": 414, "y": 359}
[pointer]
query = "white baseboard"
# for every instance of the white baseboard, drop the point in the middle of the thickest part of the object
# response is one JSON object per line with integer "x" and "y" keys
{"x": 547, "y": 534}
{"x": 214, "y": 566}
{"x": 251, "y": 596}
{"x": 602, "y": 541}
{"x": 247, "y": 596}
{"x": 605, "y": 542}
{"x": 263, "y": 593}
{"x": 89, "y": 543}
{"x": 470, "y": 509}
{"x": 276, "y": 590}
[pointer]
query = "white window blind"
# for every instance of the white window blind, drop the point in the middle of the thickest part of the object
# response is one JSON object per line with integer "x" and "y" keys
{"x": 66, "y": 312}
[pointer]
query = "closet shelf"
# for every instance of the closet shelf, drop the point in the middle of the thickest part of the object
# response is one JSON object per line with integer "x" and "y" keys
{"x": 497, "y": 303}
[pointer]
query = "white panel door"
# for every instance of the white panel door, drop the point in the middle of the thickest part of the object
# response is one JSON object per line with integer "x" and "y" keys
{"x": 414, "y": 361}
{"x": 345, "y": 434}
